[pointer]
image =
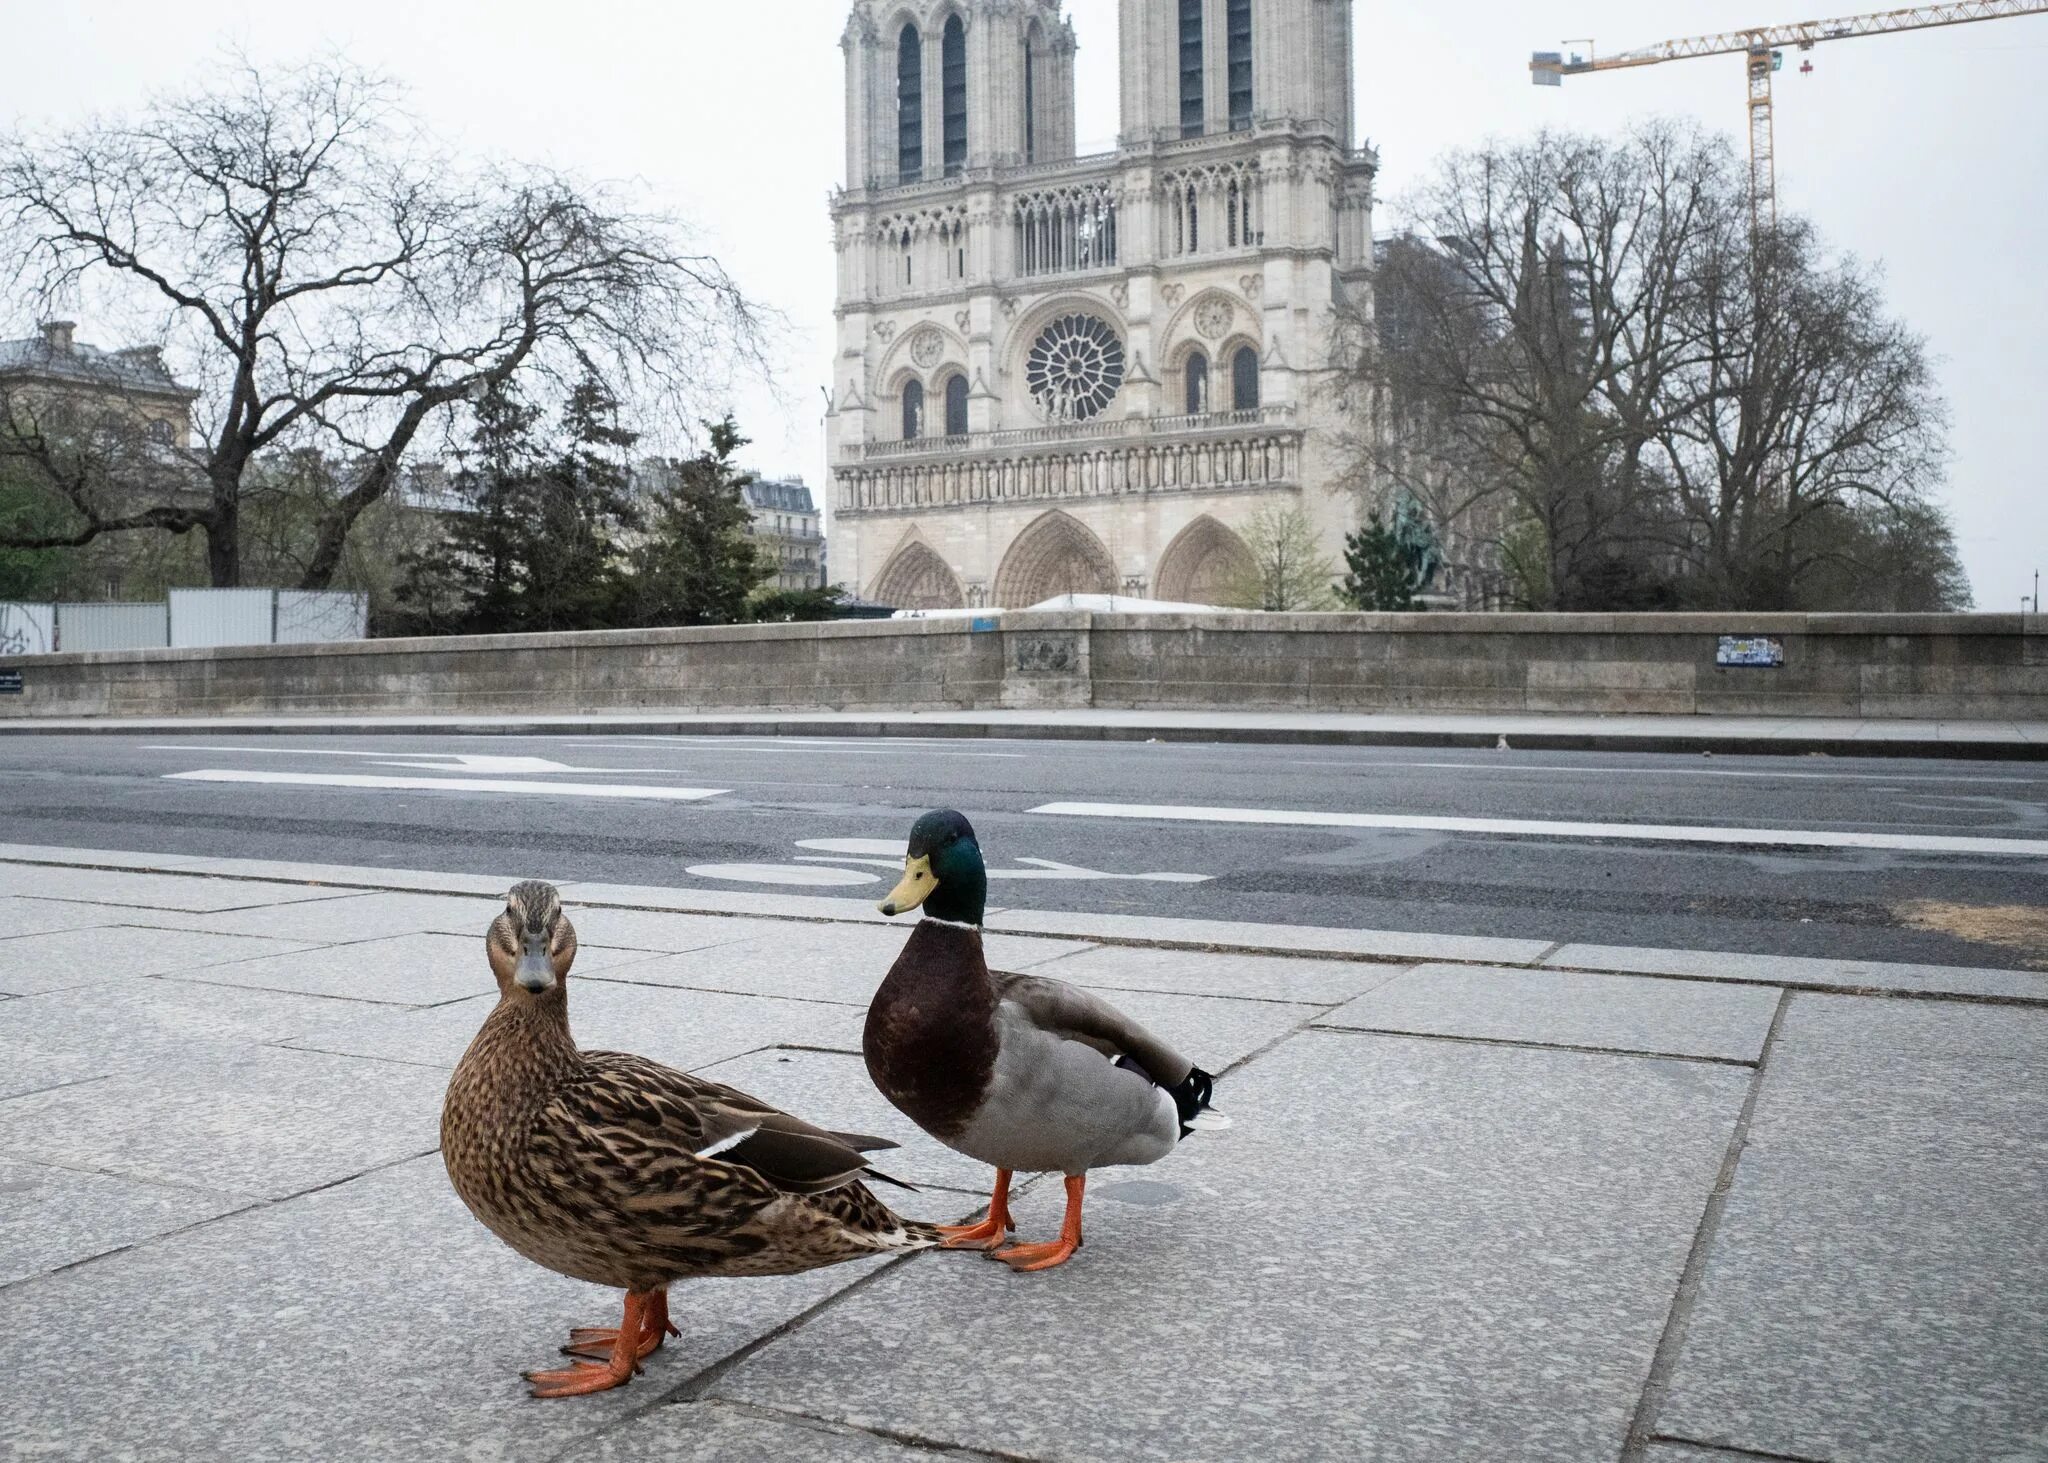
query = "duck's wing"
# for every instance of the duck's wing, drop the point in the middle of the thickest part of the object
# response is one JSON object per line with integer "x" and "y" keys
{"x": 1069, "y": 1012}
{"x": 669, "y": 1116}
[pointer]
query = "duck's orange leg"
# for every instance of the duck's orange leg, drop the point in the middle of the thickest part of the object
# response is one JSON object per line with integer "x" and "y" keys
{"x": 1044, "y": 1257}
{"x": 596, "y": 1342}
{"x": 993, "y": 1230}
{"x": 589, "y": 1376}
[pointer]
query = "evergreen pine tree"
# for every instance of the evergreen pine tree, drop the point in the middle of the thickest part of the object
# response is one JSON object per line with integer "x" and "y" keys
{"x": 580, "y": 503}
{"x": 699, "y": 563}
{"x": 468, "y": 579}
{"x": 1382, "y": 570}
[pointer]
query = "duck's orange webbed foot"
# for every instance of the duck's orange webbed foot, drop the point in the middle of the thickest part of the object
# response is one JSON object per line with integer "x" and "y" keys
{"x": 579, "y": 1378}
{"x": 1036, "y": 1257}
{"x": 992, "y": 1231}
{"x": 1047, "y": 1256}
{"x": 597, "y": 1342}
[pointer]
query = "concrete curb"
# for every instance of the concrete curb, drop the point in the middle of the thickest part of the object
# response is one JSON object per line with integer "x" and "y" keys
{"x": 1846, "y": 977}
{"x": 1875, "y": 740}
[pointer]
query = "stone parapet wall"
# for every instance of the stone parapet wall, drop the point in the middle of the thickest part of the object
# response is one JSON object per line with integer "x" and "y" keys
{"x": 1862, "y": 666}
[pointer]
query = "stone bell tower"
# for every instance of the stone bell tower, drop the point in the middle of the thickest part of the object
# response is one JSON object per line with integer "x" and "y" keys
{"x": 1059, "y": 373}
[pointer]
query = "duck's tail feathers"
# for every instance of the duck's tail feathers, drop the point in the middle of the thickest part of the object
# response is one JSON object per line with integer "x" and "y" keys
{"x": 1191, "y": 1097}
{"x": 906, "y": 1235}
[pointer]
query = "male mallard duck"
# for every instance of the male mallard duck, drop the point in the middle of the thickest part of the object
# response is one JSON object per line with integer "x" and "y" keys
{"x": 1016, "y": 1070}
{"x": 620, "y": 1171}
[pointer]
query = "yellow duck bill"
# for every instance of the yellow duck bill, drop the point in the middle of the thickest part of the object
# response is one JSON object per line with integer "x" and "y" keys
{"x": 913, "y": 889}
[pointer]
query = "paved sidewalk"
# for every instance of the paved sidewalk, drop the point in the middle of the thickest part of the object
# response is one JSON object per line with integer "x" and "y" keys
{"x": 1773, "y": 735}
{"x": 1483, "y": 1199}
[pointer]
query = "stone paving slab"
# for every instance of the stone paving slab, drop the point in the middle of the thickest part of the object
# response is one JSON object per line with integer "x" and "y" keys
{"x": 1798, "y": 970}
{"x": 1294, "y": 939}
{"x": 1194, "y": 973}
{"x": 59, "y": 1216}
{"x": 1403, "y": 1250}
{"x": 1874, "y": 1291}
{"x": 26, "y": 915}
{"x": 355, "y": 878}
{"x": 1564, "y": 1008}
{"x": 1918, "y": 1030}
{"x": 843, "y": 963}
{"x": 128, "y": 1025}
{"x": 352, "y": 915}
{"x": 151, "y": 891}
{"x": 413, "y": 970}
{"x": 257, "y": 1121}
{"x": 684, "y": 1028}
{"x": 372, "y": 1320}
{"x": 717, "y": 1432}
{"x": 68, "y": 958}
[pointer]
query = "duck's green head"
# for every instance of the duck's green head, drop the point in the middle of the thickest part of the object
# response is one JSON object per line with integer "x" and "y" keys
{"x": 942, "y": 870}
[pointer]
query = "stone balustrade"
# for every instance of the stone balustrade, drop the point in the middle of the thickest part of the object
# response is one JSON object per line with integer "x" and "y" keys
{"x": 1229, "y": 450}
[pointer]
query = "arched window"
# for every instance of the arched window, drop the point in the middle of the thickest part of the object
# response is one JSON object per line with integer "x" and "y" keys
{"x": 909, "y": 106}
{"x": 913, "y": 410}
{"x": 1195, "y": 379}
{"x": 953, "y": 93}
{"x": 1191, "y": 68}
{"x": 956, "y": 406}
{"x": 1031, "y": 94}
{"x": 1244, "y": 379}
{"x": 1238, "y": 29}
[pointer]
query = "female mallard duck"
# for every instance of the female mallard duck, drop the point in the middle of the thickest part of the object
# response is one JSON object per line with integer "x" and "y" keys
{"x": 1015, "y": 1070}
{"x": 620, "y": 1171}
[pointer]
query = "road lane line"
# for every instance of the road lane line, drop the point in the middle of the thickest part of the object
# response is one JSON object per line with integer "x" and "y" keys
{"x": 450, "y": 784}
{"x": 1680, "y": 772}
{"x": 1541, "y": 828}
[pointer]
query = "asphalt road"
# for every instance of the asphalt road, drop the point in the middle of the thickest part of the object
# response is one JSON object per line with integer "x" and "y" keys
{"x": 803, "y": 813}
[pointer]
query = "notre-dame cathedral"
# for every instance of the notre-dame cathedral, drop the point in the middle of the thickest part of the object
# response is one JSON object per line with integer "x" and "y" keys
{"x": 1086, "y": 373}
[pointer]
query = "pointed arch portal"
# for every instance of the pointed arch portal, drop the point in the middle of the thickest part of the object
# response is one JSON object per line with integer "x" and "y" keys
{"x": 1055, "y": 555}
{"x": 1203, "y": 564}
{"x": 916, "y": 578}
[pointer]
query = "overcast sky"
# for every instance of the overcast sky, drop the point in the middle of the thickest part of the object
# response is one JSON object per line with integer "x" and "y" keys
{"x": 1924, "y": 151}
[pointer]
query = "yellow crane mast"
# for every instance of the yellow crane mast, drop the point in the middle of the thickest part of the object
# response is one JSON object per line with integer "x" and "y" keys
{"x": 1762, "y": 47}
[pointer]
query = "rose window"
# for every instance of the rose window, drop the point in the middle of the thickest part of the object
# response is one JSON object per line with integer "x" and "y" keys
{"x": 1074, "y": 368}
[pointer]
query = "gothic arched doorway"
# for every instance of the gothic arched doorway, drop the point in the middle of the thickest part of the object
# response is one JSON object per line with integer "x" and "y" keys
{"x": 915, "y": 578}
{"x": 1056, "y": 554}
{"x": 1205, "y": 564}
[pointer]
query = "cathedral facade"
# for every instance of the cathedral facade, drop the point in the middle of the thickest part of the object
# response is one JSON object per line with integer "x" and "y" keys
{"x": 1062, "y": 373}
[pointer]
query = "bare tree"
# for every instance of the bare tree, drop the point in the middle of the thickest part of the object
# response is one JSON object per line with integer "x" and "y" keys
{"x": 333, "y": 280}
{"x": 1811, "y": 407}
{"x": 1579, "y": 358}
{"x": 1288, "y": 569}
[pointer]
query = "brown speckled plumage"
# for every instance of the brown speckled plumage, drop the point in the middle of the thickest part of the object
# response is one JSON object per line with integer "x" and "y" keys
{"x": 588, "y": 1162}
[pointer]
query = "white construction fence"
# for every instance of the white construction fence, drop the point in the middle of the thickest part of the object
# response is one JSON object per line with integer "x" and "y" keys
{"x": 193, "y": 617}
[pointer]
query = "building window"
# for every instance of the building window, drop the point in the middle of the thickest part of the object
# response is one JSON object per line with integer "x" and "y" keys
{"x": 1030, "y": 98}
{"x": 956, "y": 406}
{"x": 913, "y": 410}
{"x": 1191, "y": 68}
{"x": 1074, "y": 368}
{"x": 1238, "y": 25}
{"x": 1195, "y": 377}
{"x": 1244, "y": 379}
{"x": 953, "y": 93}
{"x": 909, "y": 106}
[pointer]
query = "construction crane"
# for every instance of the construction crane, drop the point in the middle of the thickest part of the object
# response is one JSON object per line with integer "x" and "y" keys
{"x": 1762, "y": 46}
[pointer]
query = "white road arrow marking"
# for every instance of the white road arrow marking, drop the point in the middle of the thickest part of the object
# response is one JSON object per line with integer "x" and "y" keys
{"x": 450, "y": 784}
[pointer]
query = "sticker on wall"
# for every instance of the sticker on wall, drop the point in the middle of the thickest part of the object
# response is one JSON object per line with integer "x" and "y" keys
{"x": 1757, "y": 650}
